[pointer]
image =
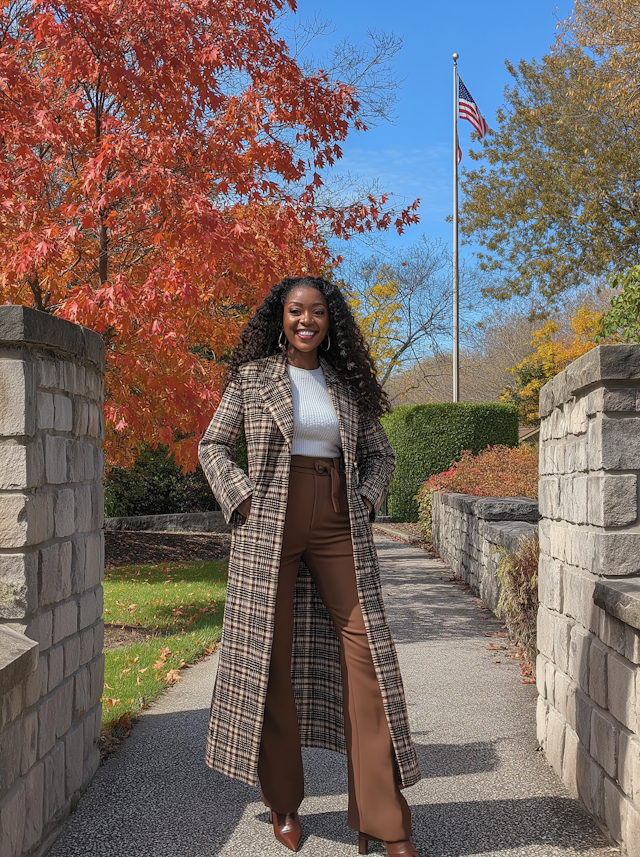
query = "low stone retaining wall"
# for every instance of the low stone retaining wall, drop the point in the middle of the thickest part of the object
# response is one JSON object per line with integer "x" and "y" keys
{"x": 51, "y": 566}
{"x": 588, "y": 669}
{"x": 192, "y": 522}
{"x": 469, "y": 534}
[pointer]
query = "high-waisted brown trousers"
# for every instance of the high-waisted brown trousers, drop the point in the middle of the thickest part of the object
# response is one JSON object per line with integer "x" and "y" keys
{"x": 317, "y": 530}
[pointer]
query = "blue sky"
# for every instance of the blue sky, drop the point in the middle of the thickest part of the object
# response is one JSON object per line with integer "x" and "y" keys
{"x": 413, "y": 157}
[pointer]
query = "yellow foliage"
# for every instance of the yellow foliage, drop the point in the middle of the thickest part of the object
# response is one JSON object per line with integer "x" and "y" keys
{"x": 377, "y": 310}
{"x": 552, "y": 352}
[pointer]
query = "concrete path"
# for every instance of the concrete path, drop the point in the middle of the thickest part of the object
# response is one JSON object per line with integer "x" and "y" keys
{"x": 485, "y": 790}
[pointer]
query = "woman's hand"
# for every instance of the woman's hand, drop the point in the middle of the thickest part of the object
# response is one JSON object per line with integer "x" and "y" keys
{"x": 369, "y": 504}
{"x": 245, "y": 508}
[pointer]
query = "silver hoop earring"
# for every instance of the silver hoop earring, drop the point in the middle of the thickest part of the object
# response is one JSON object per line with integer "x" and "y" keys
{"x": 282, "y": 345}
{"x": 328, "y": 341}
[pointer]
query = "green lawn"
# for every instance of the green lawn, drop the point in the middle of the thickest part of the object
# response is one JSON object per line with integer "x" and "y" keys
{"x": 182, "y": 605}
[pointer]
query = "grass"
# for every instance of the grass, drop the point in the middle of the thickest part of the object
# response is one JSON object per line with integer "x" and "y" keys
{"x": 182, "y": 605}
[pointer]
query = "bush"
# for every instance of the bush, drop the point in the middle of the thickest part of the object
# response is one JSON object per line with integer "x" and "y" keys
{"x": 428, "y": 439}
{"x": 518, "y": 604}
{"x": 155, "y": 485}
{"x": 497, "y": 471}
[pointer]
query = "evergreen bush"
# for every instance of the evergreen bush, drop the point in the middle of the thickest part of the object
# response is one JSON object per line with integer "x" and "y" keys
{"x": 428, "y": 439}
{"x": 155, "y": 485}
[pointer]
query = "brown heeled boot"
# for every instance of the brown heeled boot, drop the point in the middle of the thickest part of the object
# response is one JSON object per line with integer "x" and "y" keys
{"x": 287, "y": 829}
{"x": 406, "y": 848}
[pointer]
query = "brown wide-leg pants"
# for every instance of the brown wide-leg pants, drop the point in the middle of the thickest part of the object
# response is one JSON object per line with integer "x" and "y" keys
{"x": 317, "y": 530}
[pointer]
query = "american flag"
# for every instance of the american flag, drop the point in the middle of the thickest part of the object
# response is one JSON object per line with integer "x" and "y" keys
{"x": 468, "y": 109}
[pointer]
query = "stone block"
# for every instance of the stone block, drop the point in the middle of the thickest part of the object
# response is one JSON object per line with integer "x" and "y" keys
{"x": 613, "y": 500}
{"x": 632, "y": 644}
{"x": 96, "y": 675}
{"x": 83, "y": 508}
{"x": 21, "y": 464}
{"x": 541, "y": 668}
{"x": 55, "y": 581}
{"x": 90, "y": 767}
{"x": 604, "y": 743}
{"x": 49, "y": 373}
{"x": 18, "y": 584}
{"x": 63, "y": 413}
{"x": 65, "y": 620}
{"x": 550, "y": 584}
{"x": 33, "y": 806}
{"x": 45, "y": 410}
{"x": 86, "y": 452}
{"x": 554, "y": 746}
{"x": 54, "y": 784}
{"x": 63, "y": 512}
{"x": 612, "y": 632}
{"x": 11, "y": 704}
{"x": 56, "y": 667}
{"x": 545, "y": 636}
{"x": 71, "y": 656}
{"x": 68, "y": 376}
{"x": 89, "y": 608}
{"x": 12, "y": 822}
{"x": 55, "y": 456}
{"x": 570, "y": 761}
{"x": 29, "y": 752}
{"x": 98, "y": 639}
{"x": 81, "y": 693}
{"x": 80, "y": 380}
{"x": 561, "y": 638}
{"x": 584, "y": 764}
{"x": 93, "y": 424}
{"x": 615, "y": 808}
{"x": 561, "y": 693}
{"x": 86, "y": 646}
{"x": 26, "y": 520}
{"x": 74, "y": 747}
{"x": 17, "y": 397}
{"x": 625, "y": 763}
{"x": 621, "y": 683}
{"x": 97, "y": 506}
{"x": 584, "y": 709}
{"x": 550, "y": 678}
{"x": 91, "y": 734}
{"x": 614, "y": 444}
{"x": 75, "y": 461}
{"x": 54, "y": 716}
{"x": 579, "y": 656}
{"x": 94, "y": 567}
{"x": 80, "y": 417}
{"x": 633, "y": 832}
{"x": 10, "y": 750}
{"x": 598, "y": 673}
{"x": 616, "y": 554}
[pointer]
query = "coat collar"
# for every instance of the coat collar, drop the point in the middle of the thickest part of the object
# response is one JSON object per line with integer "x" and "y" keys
{"x": 275, "y": 390}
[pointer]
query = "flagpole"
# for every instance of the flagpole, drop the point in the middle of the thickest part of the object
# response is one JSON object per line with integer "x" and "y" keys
{"x": 454, "y": 255}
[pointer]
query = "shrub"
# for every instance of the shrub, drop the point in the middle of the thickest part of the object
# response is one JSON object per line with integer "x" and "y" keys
{"x": 518, "y": 604}
{"x": 155, "y": 485}
{"x": 428, "y": 439}
{"x": 496, "y": 471}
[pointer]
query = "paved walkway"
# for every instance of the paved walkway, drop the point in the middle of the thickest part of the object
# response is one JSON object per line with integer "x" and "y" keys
{"x": 485, "y": 790}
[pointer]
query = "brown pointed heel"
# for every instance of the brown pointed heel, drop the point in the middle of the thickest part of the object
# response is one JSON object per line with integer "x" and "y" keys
{"x": 406, "y": 848}
{"x": 287, "y": 829}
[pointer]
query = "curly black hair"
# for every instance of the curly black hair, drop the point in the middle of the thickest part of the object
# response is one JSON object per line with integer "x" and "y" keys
{"x": 348, "y": 352}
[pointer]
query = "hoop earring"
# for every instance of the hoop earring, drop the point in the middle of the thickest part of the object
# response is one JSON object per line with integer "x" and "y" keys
{"x": 282, "y": 345}
{"x": 328, "y": 341}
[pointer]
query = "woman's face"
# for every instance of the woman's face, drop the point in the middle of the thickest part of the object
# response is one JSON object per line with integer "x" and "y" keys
{"x": 305, "y": 318}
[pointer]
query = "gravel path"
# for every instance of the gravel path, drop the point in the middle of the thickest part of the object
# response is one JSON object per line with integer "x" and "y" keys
{"x": 485, "y": 790}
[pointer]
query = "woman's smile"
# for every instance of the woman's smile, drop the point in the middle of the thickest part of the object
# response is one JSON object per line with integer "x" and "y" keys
{"x": 306, "y": 334}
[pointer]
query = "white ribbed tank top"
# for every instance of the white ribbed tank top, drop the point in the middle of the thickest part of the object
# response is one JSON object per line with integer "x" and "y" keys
{"x": 316, "y": 431}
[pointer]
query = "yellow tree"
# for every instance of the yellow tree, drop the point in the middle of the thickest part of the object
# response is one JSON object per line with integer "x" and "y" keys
{"x": 377, "y": 309}
{"x": 552, "y": 352}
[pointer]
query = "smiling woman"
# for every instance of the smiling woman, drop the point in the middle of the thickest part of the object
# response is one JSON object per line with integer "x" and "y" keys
{"x": 304, "y": 596}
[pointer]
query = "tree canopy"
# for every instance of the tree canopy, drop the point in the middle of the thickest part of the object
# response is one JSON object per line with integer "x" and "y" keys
{"x": 160, "y": 168}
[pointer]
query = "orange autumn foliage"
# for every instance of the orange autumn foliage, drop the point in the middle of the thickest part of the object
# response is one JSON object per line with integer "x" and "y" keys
{"x": 159, "y": 170}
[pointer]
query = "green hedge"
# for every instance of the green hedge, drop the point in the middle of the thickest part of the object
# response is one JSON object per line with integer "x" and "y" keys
{"x": 427, "y": 439}
{"x": 156, "y": 486}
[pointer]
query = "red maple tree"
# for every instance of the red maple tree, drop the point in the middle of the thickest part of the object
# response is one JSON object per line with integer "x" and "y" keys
{"x": 160, "y": 166}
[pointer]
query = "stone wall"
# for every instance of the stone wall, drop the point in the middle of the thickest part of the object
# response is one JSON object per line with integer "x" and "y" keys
{"x": 470, "y": 534}
{"x": 179, "y": 522}
{"x": 588, "y": 670}
{"x": 51, "y": 566}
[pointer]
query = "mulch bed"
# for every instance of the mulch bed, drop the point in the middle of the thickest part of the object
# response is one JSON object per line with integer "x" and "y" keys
{"x": 135, "y": 548}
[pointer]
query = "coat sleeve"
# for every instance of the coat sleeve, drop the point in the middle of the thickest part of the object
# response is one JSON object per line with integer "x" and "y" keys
{"x": 376, "y": 463}
{"x": 216, "y": 451}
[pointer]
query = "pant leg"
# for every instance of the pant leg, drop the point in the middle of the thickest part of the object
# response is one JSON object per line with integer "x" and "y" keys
{"x": 376, "y": 804}
{"x": 280, "y": 762}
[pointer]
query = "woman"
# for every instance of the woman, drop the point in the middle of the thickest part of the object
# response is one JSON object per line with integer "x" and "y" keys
{"x": 306, "y": 656}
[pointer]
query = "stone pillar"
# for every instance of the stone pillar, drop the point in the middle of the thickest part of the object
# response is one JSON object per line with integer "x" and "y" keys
{"x": 51, "y": 567}
{"x": 589, "y": 619}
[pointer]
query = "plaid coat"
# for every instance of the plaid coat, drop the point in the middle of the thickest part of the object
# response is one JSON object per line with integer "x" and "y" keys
{"x": 260, "y": 399}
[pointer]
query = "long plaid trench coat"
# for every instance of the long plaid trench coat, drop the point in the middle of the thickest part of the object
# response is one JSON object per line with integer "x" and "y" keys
{"x": 260, "y": 400}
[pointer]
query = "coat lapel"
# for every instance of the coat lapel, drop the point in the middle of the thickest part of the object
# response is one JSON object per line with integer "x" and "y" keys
{"x": 276, "y": 394}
